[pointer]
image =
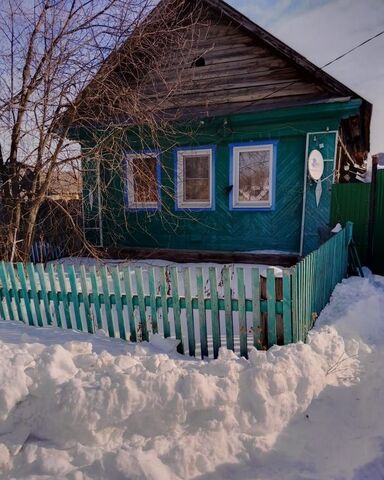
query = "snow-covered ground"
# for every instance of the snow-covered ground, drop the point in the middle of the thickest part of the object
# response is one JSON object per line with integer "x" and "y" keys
{"x": 75, "y": 406}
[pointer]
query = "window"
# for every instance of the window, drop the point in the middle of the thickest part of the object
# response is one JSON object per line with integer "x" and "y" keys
{"x": 194, "y": 178}
{"x": 253, "y": 172}
{"x": 143, "y": 181}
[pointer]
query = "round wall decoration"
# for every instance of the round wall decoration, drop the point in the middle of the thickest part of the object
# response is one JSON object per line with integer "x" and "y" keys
{"x": 315, "y": 165}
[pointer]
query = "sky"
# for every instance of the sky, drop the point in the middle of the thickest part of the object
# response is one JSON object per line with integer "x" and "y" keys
{"x": 321, "y": 30}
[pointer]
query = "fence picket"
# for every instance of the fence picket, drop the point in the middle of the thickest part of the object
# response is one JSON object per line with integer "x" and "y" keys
{"x": 129, "y": 299}
{"x": 54, "y": 295}
{"x": 87, "y": 308}
{"x": 176, "y": 308}
{"x": 140, "y": 294}
{"x": 96, "y": 297}
{"x": 152, "y": 299}
{"x": 242, "y": 312}
{"x": 107, "y": 300}
{"x": 164, "y": 303}
{"x": 15, "y": 290}
{"x": 44, "y": 292}
{"x": 271, "y": 303}
{"x": 189, "y": 313}
{"x": 75, "y": 296}
{"x": 256, "y": 325}
{"x": 228, "y": 308}
{"x": 64, "y": 295}
{"x": 215, "y": 319}
{"x": 202, "y": 314}
{"x": 3, "y": 287}
{"x": 287, "y": 307}
{"x": 119, "y": 304}
{"x": 4, "y": 281}
{"x": 24, "y": 291}
{"x": 36, "y": 301}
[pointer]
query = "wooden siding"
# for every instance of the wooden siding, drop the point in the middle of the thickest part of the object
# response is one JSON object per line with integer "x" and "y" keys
{"x": 223, "y": 229}
{"x": 239, "y": 69}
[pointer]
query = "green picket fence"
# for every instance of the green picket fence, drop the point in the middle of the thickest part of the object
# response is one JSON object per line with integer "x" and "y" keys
{"x": 204, "y": 308}
{"x": 315, "y": 277}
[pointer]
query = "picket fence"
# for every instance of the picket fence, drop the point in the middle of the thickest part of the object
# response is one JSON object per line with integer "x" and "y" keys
{"x": 204, "y": 308}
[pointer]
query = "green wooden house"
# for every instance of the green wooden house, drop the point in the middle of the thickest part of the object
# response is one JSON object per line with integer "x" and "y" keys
{"x": 227, "y": 169}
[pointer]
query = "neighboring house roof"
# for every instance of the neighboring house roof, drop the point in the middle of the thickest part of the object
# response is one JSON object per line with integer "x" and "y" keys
{"x": 320, "y": 86}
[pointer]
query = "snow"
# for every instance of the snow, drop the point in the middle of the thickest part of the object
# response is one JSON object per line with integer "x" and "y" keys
{"x": 81, "y": 407}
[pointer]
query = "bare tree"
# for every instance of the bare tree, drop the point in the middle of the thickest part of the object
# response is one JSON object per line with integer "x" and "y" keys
{"x": 65, "y": 67}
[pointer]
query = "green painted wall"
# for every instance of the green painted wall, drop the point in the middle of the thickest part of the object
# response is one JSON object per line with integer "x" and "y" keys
{"x": 224, "y": 229}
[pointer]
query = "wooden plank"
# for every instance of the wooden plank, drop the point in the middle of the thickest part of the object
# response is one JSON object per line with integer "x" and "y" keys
{"x": 15, "y": 289}
{"x": 140, "y": 294}
{"x": 215, "y": 318}
{"x": 75, "y": 296}
{"x": 287, "y": 307}
{"x": 87, "y": 307}
{"x": 196, "y": 96}
{"x": 176, "y": 307}
{"x": 255, "y": 275}
{"x": 6, "y": 288}
{"x": 2, "y": 296}
{"x": 128, "y": 294}
{"x": 34, "y": 293}
{"x": 118, "y": 299}
{"x": 300, "y": 297}
{"x": 96, "y": 297}
{"x": 295, "y": 306}
{"x": 189, "y": 313}
{"x": 242, "y": 313}
{"x": 228, "y": 308}
{"x": 54, "y": 295}
{"x": 152, "y": 296}
{"x": 306, "y": 286}
{"x": 164, "y": 303}
{"x": 44, "y": 292}
{"x": 25, "y": 293}
{"x": 64, "y": 295}
{"x": 202, "y": 312}
{"x": 271, "y": 301}
{"x": 107, "y": 300}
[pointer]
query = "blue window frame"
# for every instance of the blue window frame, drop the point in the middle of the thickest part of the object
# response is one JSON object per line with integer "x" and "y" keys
{"x": 195, "y": 178}
{"x": 253, "y": 176}
{"x": 142, "y": 190}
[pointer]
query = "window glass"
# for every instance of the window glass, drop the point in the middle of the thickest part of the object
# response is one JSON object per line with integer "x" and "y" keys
{"x": 253, "y": 173}
{"x": 196, "y": 178}
{"x": 143, "y": 181}
{"x": 254, "y": 176}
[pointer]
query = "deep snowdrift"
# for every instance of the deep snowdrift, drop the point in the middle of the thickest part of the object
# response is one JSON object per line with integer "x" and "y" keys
{"x": 85, "y": 407}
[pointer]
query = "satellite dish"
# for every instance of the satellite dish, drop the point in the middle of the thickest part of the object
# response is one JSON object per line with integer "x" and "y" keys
{"x": 315, "y": 165}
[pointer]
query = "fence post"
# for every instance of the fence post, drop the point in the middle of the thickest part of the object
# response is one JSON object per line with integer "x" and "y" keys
{"x": 349, "y": 232}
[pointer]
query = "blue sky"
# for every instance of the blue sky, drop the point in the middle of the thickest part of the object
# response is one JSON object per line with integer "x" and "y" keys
{"x": 323, "y": 29}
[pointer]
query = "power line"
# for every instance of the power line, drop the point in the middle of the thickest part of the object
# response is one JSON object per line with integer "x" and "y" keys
{"x": 353, "y": 49}
{"x": 318, "y": 69}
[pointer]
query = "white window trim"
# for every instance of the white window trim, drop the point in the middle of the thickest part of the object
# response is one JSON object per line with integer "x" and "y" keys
{"x": 180, "y": 177}
{"x": 255, "y": 204}
{"x": 130, "y": 184}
